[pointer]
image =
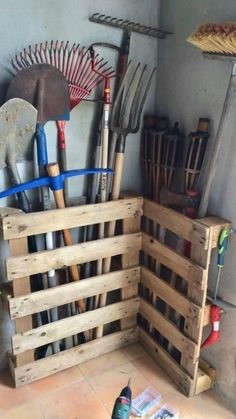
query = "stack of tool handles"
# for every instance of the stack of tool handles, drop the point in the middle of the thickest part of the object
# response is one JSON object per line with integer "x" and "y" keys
{"x": 50, "y": 79}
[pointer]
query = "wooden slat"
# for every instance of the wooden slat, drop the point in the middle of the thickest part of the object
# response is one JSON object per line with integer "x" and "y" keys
{"x": 22, "y": 225}
{"x": 66, "y": 359}
{"x": 176, "y": 222}
{"x": 70, "y": 326}
{"x": 203, "y": 382}
{"x": 171, "y": 296}
{"x": 71, "y": 255}
{"x": 64, "y": 294}
{"x": 202, "y": 257}
{"x": 21, "y": 287}
{"x": 168, "y": 330}
{"x": 166, "y": 362}
{"x": 206, "y": 318}
{"x": 181, "y": 265}
{"x": 130, "y": 225}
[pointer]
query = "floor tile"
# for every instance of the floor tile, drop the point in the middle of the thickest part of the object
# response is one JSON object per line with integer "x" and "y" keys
{"x": 25, "y": 411}
{"x": 103, "y": 363}
{"x": 56, "y": 381}
{"x": 109, "y": 384}
{"x": 155, "y": 375}
{"x": 10, "y": 396}
{"x": 78, "y": 401}
{"x": 202, "y": 406}
{"x": 134, "y": 351}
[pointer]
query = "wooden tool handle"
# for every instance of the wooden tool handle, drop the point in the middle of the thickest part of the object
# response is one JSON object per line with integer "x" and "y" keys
{"x": 53, "y": 170}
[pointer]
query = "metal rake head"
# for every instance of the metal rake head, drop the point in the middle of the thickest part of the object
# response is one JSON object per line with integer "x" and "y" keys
{"x": 130, "y": 99}
{"x": 74, "y": 62}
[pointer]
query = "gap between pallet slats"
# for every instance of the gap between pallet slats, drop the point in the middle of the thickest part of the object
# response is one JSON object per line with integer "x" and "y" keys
{"x": 21, "y": 225}
{"x": 64, "y": 294}
{"x": 166, "y": 362}
{"x": 66, "y": 359}
{"x": 44, "y": 261}
{"x": 168, "y": 330}
{"x": 181, "y": 265}
{"x": 61, "y": 329}
{"x": 171, "y": 296}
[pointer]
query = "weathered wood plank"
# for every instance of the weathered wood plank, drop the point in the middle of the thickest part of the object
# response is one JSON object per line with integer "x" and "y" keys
{"x": 168, "y": 330}
{"x": 171, "y": 296}
{"x": 181, "y": 265}
{"x": 203, "y": 382}
{"x": 64, "y": 294}
{"x": 43, "y": 261}
{"x": 216, "y": 224}
{"x": 176, "y": 222}
{"x": 166, "y": 362}
{"x": 130, "y": 225}
{"x": 70, "y": 326}
{"x": 22, "y": 225}
{"x": 75, "y": 356}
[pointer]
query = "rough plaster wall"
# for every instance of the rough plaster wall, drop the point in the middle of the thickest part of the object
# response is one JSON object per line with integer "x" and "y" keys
{"x": 190, "y": 87}
{"x": 30, "y": 21}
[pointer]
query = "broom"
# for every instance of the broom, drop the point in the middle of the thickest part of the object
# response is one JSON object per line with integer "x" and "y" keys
{"x": 75, "y": 64}
{"x": 217, "y": 38}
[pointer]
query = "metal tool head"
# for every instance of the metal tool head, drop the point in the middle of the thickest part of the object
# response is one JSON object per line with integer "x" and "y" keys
{"x": 17, "y": 126}
{"x": 45, "y": 88}
{"x": 129, "y": 103}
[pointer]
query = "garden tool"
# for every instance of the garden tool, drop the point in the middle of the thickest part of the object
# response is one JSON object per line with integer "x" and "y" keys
{"x": 125, "y": 119}
{"x": 75, "y": 63}
{"x": 46, "y": 88}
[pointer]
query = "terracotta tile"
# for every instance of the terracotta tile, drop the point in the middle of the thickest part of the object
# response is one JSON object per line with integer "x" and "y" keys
{"x": 77, "y": 401}
{"x": 103, "y": 363}
{"x": 200, "y": 407}
{"x": 152, "y": 372}
{"x": 56, "y": 381}
{"x": 134, "y": 351}
{"x": 25, "y": 411}
{"x": 108, "y": 384}
{"x": 10, "y": 396}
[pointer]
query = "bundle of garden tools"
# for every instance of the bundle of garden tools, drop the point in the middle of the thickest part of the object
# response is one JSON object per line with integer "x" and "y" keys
{"x": 50, "y": 79}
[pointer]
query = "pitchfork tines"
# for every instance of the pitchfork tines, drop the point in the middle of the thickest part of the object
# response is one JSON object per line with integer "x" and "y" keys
{"x": 129, "y": 103}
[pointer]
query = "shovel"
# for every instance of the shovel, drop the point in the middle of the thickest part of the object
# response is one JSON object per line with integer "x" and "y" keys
{"x": 46, "y": 88}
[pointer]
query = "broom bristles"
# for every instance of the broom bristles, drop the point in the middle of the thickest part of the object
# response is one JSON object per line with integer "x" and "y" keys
{"x": 217, "y": 38}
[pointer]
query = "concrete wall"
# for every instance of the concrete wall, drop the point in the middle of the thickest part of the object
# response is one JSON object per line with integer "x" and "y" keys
{"x": 30, "y": 21}
{"x": 190, "y": 87}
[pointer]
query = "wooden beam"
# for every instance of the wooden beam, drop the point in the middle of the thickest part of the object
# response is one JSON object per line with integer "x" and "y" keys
{"x": 168, "y": 330}
{"x": 43, "y": 261}
{"x": 64, "y": 294}
{"x": 170, "y": 295}
{"x": 181, "y": 265}
{"x": 185, "y": 227}
{"x": 203, "y": 382}
{"x": 130, "y": 259}
{"x": 166, "y": 362}
{"x": 73, "y": 325}
{"x": 74, "y": 356}
{"x": 22, "y": 225}
{"x": 216, "y": 224}
{"x": 206, "y": 318}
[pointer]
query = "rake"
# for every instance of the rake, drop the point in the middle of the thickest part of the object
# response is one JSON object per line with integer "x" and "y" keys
{"x": 75, "y": 64}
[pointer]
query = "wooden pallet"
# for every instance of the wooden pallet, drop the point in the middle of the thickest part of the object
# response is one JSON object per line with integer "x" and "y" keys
{"x": 24, "y": 304}
{"x": 189, "y": 305}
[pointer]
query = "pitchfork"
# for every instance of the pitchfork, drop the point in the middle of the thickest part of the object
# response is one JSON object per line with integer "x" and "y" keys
{"x": 125, "y": 119}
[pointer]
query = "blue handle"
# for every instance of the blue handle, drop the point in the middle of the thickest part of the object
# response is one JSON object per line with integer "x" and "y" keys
{"x": 41, "y": 145}
{"x": 54, "y": 182}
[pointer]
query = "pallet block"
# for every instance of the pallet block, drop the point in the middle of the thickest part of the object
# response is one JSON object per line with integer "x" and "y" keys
{"x": 23, "y": 304}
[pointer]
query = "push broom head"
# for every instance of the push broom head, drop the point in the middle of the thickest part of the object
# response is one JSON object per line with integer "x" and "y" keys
{"x": 217, "y": 38}
{"x": 73, "y": 61}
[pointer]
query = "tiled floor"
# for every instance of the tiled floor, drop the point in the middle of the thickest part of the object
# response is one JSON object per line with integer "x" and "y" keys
{"x": 88, "y": 391}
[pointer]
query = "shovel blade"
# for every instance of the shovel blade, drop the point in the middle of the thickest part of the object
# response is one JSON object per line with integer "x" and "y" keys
{"x": 17, "y": 126}
{"x": 45, "y": 88}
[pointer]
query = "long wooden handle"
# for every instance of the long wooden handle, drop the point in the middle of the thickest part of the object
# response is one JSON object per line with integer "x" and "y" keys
{"x": 53, "y": 170}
